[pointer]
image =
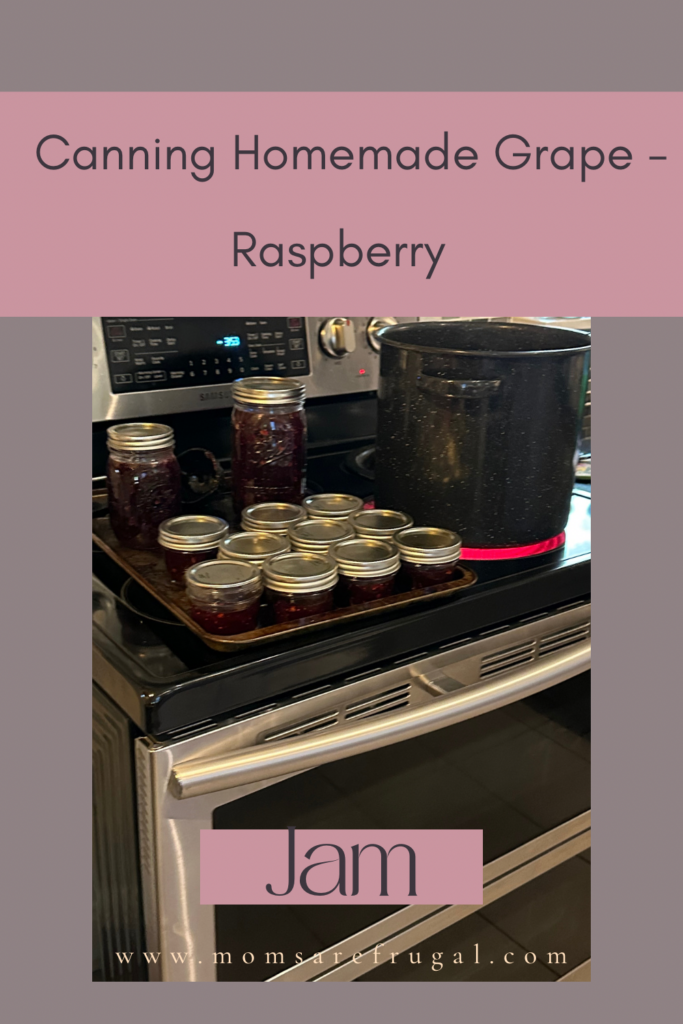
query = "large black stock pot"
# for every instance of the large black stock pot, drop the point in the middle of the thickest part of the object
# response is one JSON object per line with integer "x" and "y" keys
{"x": 479, "y": 425}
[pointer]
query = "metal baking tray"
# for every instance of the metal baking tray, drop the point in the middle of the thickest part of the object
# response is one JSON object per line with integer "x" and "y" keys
{"x": 149, "y": 569}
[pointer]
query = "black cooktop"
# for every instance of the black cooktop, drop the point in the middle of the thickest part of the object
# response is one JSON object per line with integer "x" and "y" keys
{"x": 170, "y": 683}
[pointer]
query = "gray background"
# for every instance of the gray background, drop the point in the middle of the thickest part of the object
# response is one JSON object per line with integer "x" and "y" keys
{"x": 341, "y": 45}
{"x": 45, "y": 409}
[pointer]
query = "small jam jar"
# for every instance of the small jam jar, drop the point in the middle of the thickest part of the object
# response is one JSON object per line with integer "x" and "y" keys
{"x": 332, "y": 506}
{"x": 319, "y": 534}
{"x": 268, "y": 441}
{"x": 429, "y": 554}
{"x": 224, "y": 596}
{"x": 188, "y": 540}
{"x": 143, "y": 482}
{"x": 253, "y": 548}
{"x": 379, "y": 523}
{"x": 367, "y": 569}
{"x": 272, "y": 517}
{"x": 299, "y": 584}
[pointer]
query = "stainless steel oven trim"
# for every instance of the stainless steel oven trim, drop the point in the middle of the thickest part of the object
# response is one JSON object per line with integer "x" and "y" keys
{"x": 170, "y": 827}
{"x": 580, "y": 973}
{"x": 417, "y": 922}
{"x": 258, "y": 764}
{"x": 349, "y": 971}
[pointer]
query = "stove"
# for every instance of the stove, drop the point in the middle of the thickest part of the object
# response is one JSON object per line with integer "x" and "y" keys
{"x": 169, "y": 682}
{"x": 164, "y": 704}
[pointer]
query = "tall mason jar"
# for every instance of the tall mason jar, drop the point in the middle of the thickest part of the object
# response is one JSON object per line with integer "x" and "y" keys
{"x": 143, "y": 482}
{"x": 268, "y": 441}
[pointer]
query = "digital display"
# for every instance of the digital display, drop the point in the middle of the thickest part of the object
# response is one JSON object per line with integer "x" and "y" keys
{"x": 116, "y": 331}
{"x": 230, "y": 342}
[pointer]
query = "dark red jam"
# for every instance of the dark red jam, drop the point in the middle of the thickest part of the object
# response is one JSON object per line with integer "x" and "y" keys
{"x": 141, "y": 495}
{"x": 178, "y": 561}
{"x": 268, "y": 456}
{"x": 288, "y": 607}
{"x": 225, "y": 623}
{"x": 357, "y": 590}
{"x": 419, "y": 576}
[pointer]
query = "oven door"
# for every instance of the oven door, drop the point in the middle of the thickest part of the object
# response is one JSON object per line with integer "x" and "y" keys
{"x": 491, "y": 734}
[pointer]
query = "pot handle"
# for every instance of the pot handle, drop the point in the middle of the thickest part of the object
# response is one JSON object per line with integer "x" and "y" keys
{"x": 446, "y": 388}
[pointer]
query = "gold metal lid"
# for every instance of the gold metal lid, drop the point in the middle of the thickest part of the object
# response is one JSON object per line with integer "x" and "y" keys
{"x": 137, "y": 437}
{"x": 269, "y": 390}
{"x": 366, "y": 557}
{"x": 223, "y": 577}
{"x": 192, "y": 533}
{"x": 332, "y": 506}
{"x": 379, "y": 522}
{"x": 253, "y": 547}
{"x": 271, "y": 517}
{"x": 428, "y": 544}
{"x": 319, "y": 534}
{"x": 300, "y": 572}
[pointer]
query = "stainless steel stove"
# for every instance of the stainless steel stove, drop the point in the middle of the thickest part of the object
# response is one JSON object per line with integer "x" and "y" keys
{"x": 473, "y": 712}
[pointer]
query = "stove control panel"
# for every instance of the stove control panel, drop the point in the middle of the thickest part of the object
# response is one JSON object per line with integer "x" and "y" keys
{"x": 146, "y": 366}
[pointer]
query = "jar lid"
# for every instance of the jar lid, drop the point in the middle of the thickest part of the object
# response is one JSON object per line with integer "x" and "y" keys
{"x": 223, "y": 576}
{"x": 319, "y": 534}
{"x": 379, "y": 522}
{"x": 300, "y": 572}
{"x": 269, "y": 390}
{"x": 192, "y": 533}
{"x": 272, "y": 516}
{"x": 252, "y": 547}
{"x": 430, "y": 544}
{"x": 332, "y": 506}
{"x": 366, "y": 557}
{"x": 135, "y": 437}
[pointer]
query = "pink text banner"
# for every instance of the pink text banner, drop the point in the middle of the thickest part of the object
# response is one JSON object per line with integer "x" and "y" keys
{"x": 461, "y": 204}
{"x": 367, "y": 866}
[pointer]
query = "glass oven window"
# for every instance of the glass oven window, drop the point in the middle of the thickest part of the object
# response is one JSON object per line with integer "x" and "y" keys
{"x": 516, "y": 773}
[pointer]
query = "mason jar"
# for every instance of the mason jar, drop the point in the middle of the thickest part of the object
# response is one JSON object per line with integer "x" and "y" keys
{"x": 367, "y": 569}
{"x": 268, "y": 441}
{"x": 299, "y": 584}
{"x": 429, "y": 554}
{"x": 224, "y": 596}
{"x": 143, "y": 482}
{"x": 188, "y": 540}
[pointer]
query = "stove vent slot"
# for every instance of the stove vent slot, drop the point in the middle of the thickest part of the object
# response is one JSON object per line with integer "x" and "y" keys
{"x": 380, "y": 703}
{"x": 303, "y": 728}
{"x": 511, "y": 657}
{"x": 565, "y": 638}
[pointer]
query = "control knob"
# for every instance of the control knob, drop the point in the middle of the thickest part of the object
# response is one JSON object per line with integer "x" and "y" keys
{"x": 376, "y": 325}
{"x": 337, "y": 337}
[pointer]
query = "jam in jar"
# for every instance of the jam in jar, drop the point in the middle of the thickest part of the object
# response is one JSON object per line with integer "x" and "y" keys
{"x": 188, "y": 540}
{"x": 429, "y": 555}
{"x": 379, "y": 523}
{"x": 252, "y": 547}
{"x": 367, "y": 569}
{"x": 268, "y": 441}
{"x": 224, "y": 596}
{"x": 319, "y": 534}
{"x": 299, "y": 584}
{"x": 143, "y": 482}
{"x": 332, "y": 506}
{"x": 272, "y": 517}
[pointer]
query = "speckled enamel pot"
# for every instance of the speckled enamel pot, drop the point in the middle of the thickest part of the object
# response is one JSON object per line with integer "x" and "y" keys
{"x": 478, "y": 427}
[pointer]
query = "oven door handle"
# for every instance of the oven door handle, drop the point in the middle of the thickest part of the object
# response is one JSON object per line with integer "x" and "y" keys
{"x": 269, "y": 761}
